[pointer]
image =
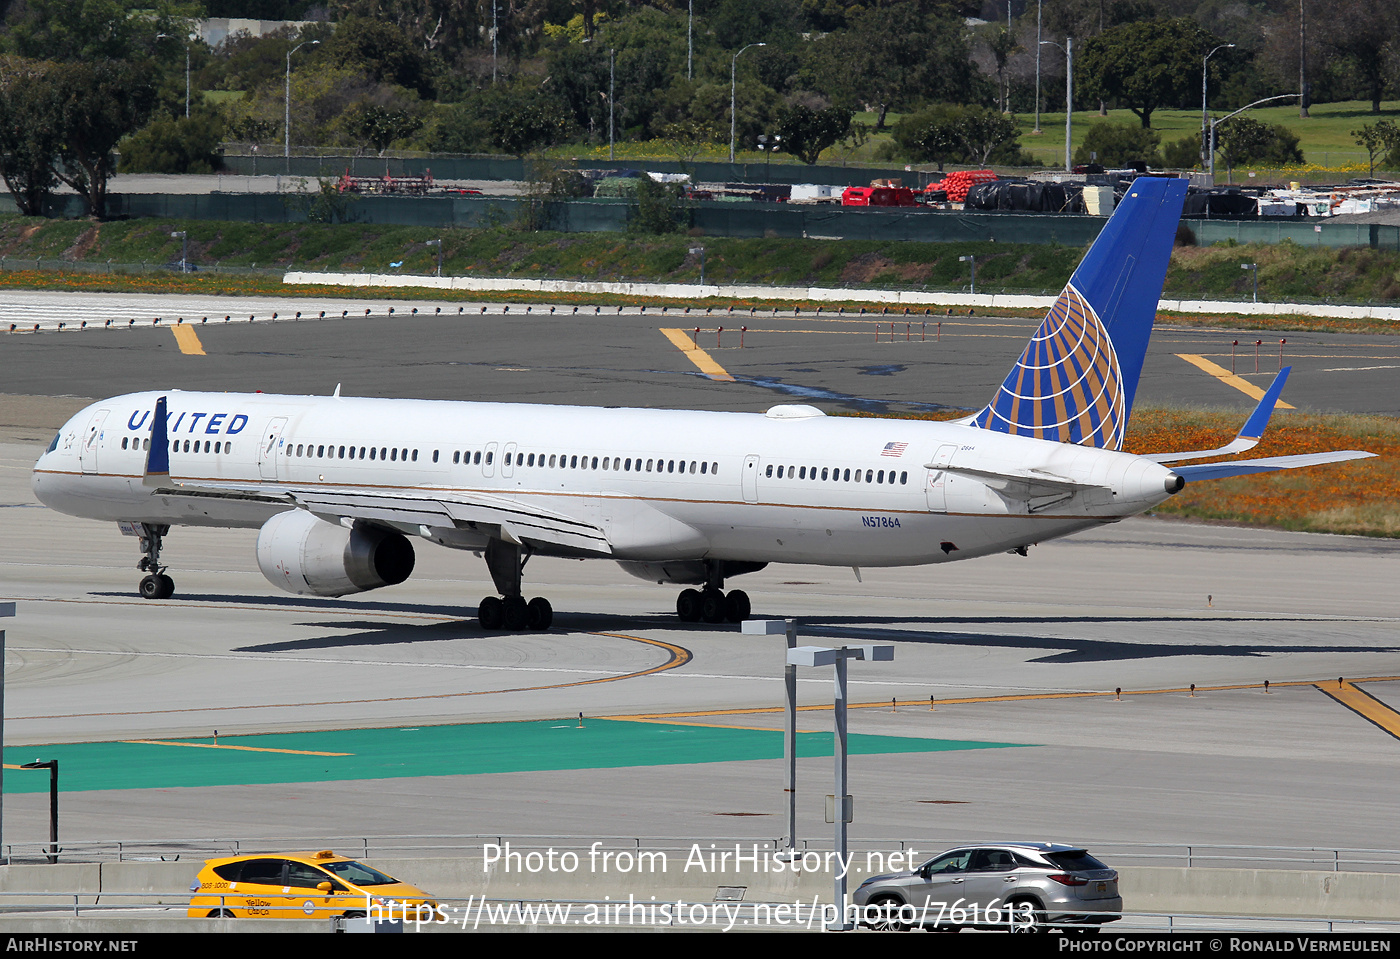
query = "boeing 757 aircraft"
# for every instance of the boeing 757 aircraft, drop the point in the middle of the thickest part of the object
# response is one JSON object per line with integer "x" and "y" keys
{"x": 340, "y": 488}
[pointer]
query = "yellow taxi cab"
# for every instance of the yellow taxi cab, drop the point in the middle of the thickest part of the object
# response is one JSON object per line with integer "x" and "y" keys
{"x": 302, "y": 885}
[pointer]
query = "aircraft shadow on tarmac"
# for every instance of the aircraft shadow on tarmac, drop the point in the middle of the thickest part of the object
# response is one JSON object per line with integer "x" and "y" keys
{"x": 1065, "y": 650}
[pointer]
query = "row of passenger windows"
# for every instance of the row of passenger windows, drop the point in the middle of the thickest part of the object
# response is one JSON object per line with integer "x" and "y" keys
{"x": 621, "y": 464}
{"x": 837, "y": 475}
{"x": 322, "y": 451}
{"x": 177, "y": 446}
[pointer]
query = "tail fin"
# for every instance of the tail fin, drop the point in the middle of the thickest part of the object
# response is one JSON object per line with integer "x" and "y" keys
{"x": 1076, "y": 380}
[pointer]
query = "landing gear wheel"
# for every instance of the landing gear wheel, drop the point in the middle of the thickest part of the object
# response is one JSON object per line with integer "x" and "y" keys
{"x": 539, "y": 614}
{"x": 165, "y": 586}
{"x": 736, "y": 606}
{"x": 490, "y": 613}
{"x": 688, "y": 606}
{"x": 150, "y": 588}
{"x": 712, "y": 607}
{"x": 517, "y": 613}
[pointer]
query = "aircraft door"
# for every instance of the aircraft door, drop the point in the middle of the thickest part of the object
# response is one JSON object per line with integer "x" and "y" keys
{"x": 936, "y": 485}
{"x": 92, "y": 441}
{"x": 751, "y": 479}
{"x": 272, "y": 446}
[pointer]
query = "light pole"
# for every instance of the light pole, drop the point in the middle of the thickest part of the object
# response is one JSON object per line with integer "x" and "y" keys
{"x": 971, "y": 261}
{"x": 733, "y": 73}
{"x": 1205, "y": 117}
{"x": 689, "y": 46}
{"x": 768, "y": 146}
{"x": 192, "y": 37}
{"x": 1037, "y": 66}
{"x": 612, "y": 80}
{"x": 1255, "y": 268}
{"x": 1068, "y": 48}
{"x": 184, "y": 249}
{"x": 52, "y": 766}
{"x": 438, "y": 244}
{"x": 287, "y": 120}
{"x": 842, "y": 807}
{"x": 700, "y": 250}
{"x": 6, "y": 610}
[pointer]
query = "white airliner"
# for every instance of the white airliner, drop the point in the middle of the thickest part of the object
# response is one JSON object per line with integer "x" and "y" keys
{"x": 339, "y": 487}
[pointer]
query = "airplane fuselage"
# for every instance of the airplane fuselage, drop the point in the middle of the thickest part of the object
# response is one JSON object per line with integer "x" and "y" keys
{"x": 791, "y": 486}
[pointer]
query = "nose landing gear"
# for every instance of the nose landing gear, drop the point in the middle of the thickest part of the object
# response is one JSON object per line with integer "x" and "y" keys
{"x": 156, "y": 585}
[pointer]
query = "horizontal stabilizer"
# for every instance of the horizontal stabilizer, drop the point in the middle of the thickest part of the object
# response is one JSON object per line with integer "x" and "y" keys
{"x": 1250, "y": 433}
{"x": 1215, "y": 471}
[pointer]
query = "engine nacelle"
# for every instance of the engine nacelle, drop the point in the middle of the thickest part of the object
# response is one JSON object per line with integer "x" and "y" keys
{"x": 302, "y": 554}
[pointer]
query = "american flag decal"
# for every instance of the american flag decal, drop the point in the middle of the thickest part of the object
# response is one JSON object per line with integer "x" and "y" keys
{"x": 894, "y": 449}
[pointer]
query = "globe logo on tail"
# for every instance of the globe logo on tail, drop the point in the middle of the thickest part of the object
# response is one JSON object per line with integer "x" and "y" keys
{"x": 1067, "y": 386}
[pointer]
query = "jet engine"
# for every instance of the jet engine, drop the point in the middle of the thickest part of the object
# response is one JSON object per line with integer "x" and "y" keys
{"x": 303, "y": 554}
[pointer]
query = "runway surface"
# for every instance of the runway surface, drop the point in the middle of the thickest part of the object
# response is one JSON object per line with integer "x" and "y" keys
{"x": 1027, "y": 651}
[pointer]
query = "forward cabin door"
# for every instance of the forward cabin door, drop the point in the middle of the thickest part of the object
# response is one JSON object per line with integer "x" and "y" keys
{"x": 92, "y": 441}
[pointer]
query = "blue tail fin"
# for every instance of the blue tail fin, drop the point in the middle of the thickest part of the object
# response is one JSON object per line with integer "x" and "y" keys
{"x": 1076, "y": 380}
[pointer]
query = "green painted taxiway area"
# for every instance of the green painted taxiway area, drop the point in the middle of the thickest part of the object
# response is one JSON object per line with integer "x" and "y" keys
{"x": 397, "y": 752}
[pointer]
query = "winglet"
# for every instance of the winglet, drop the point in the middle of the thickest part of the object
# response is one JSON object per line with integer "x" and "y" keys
{"x": 1258, "y": 421}
{"x": 158, "y": 456}
{"x": 1249, "y": 434}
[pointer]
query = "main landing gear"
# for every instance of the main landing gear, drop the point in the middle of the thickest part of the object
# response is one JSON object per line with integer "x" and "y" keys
{"x": 711, "y": 604}
{"x": 510, "y": 611}
{"x": 156, "y": 585}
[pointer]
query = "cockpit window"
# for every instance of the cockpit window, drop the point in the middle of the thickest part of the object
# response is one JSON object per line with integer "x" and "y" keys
{"x": 54, "y": 445}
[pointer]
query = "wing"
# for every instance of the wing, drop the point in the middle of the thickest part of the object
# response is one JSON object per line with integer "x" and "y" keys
{"x": 1214, "y": 471}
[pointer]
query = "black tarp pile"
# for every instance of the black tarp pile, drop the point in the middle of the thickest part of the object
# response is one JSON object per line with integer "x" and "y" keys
{"x": 1223, "y": 203}
{"x": 1034, "y": 197}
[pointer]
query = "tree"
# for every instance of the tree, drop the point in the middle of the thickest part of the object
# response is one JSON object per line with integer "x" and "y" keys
{"x": 1144, "y": 65}
{"x": 1364, "y": 33}
{"x": 382, "y": 52}
{"x": 1380, "y": 139}
{"x": 181, "y": 145}
{"x": 1118, "y": 145}
{"x": 807, "y": 132}
{"x": 523, "y": 122}
{"x": 28, "y": 133}
{"x": 1241, "y": 140}
{"x": 893, "y": 58}
{"x": 380, "y": 124}
{"x": 947, "y": 133}
{"x": 96, "y": 105}
{"x": 96, "y": 30}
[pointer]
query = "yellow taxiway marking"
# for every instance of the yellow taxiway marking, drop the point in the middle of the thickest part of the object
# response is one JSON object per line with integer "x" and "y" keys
{"x": 699, "y": 357}
{"x": 1230, "y": 379}
{"x": 1364, "y": 705}
{"x": 249, "y": 749}
{"x": 188, "y": 340}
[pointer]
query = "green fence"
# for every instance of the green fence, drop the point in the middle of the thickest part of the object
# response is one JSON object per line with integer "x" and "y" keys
{"x": 512, "y": 168}
{"x": 1301, "y": 230}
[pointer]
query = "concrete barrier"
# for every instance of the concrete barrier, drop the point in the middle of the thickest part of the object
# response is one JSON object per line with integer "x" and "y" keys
{"x": 911, "y": 298}
{"x": 1145, "y": 889}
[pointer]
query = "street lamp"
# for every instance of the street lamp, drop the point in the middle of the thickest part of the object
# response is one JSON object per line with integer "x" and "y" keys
{"x": 701, "y": 251}
{"x": 733, "y": 72}
{"x": 1255, "y": 268}
{"x": 52, "y": 766}
{"x": 1205, "y": 117}
{"x": 287, "y": 125}
{"x": 971, "y": 261}
{"x": 843, "y": 808}
{"x": 1037, "y": 66}
{"x": 438, "y": 244}
{"x": 192, "y": 38}
{"x": 184, "y": 249}
{"x": 1068, "y": 48}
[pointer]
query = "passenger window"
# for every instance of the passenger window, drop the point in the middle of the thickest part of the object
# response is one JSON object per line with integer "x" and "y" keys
{"x": 847, "y": 476}
{"x": 123, "y": 442}
{"x": 823, "y": 472}
{"x": 714, "y": 468}
{"x": 880, "y": 477}
{"x": 372, "y": 452}
{"x": 456, "y": 457}
{"x": 477, "y": 457}
{"x": 415, "y": 456}
{"x": 146, "y": 443}
{"x": 595, "y": 463}
{"x": 802, "y": 473}
{"x": 573, "y": 462}
{"x": 703, "y": 467}
{"x": 489, "y": 456}
{"x": 869, "y": 474}
{"x": 435, "y": 454}
{"x": 394, "y": 456}
{"x": 903, "y": 479}
{"x": 508, "y": 463}
{"x": 340, "y": 454}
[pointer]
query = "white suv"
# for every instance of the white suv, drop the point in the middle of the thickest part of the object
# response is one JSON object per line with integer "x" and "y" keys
{"x": 1017, "y": 886}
